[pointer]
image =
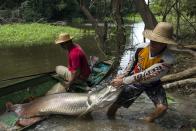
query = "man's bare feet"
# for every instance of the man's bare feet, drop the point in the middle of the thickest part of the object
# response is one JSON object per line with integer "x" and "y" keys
{"x": 112, "y": 111}
{"x": 159, "y": 111}
{"x": 110, "y": 116}
{"x": 148, "y": 119}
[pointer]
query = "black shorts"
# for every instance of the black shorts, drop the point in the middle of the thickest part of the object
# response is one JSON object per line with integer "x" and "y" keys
{"x": 154, "y": 91}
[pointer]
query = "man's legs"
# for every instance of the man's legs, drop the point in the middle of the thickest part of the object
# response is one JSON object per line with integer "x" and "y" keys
{"x": 160, "y": 109}
{"x": 57, "y": 88}
{"x": 158, "y": 96}
{"x": 112, "y": 111}
{"x": 128, "y": 95}
{"x": 65, "y": 74}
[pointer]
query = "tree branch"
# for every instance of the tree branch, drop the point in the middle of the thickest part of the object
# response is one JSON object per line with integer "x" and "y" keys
{"x": 120, "y": 32}
{"x": 191, "y": 47}
{"x": 167, "y": 11}
{"x": 180, "y": 83}
{"x": 184, "y": 50}
{"x": 100, "y": 31}
{"x": 187, "y": 20}
{"x": 147, "y": 16}
{"x": 181, "y": 75}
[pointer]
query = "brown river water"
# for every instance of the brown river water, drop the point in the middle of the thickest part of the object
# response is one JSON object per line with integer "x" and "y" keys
{"x": 22, "y": 61}
{"x": 181, "y": 114}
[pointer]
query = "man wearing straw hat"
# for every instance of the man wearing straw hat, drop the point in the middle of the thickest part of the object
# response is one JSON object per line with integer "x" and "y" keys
{"x": 144, "y": 73}
{"x": 78, "y": 69}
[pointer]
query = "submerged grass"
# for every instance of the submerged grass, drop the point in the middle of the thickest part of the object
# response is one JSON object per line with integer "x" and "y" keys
{"x": 13, "y": 35}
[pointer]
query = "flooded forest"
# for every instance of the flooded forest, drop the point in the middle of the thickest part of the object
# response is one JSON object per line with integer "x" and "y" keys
{"x": 111, "y": 65}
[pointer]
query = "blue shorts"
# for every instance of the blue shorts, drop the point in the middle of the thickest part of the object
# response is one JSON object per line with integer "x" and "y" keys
{"x": 130, "y": 93}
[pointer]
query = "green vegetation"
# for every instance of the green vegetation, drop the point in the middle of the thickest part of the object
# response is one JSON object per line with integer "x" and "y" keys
{"x": 36, "y": 10}
{"x": 30, "y": 34}
{"x": 181, "y": 13}
{"x": 133, "y": 17}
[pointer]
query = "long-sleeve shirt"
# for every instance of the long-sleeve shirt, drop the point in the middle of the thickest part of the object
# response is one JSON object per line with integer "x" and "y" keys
{"x": 147, "y": 68}
{"x": 78, "y": 61}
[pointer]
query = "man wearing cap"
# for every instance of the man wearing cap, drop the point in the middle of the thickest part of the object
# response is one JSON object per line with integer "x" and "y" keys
{"x": 78, "y": 69}
{"x": 144, "y": 73}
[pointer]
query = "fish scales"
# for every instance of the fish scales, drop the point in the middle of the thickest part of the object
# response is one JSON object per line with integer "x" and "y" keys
{"x": 68, "y": 104}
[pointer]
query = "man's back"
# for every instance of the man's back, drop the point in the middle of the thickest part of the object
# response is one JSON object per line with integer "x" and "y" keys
{"x": 77, "y": 60}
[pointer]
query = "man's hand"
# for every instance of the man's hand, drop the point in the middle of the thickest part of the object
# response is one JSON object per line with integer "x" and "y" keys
{"x": 67, "y": 84}
{"x": 120, "y": 76}
{"x": 117, "y": 82}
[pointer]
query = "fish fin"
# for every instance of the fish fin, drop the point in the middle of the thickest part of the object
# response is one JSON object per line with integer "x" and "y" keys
{"x": 84, "y": 113}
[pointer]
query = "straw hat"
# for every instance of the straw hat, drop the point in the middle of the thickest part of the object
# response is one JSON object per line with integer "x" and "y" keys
{"x": 162, "y": 33}
{"x": 63, "y": 38}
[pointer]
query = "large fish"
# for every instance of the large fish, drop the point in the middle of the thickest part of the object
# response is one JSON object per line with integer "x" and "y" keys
{"x": 65, "y": 104}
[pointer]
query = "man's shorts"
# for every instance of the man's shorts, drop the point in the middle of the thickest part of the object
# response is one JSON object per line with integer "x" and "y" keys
{"x": 77, "y": 86}
{"x": 130, "y": 93}
{"x": 63, "y": 72}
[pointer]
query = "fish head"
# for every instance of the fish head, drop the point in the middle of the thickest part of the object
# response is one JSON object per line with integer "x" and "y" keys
{"x": 103, "y": 98}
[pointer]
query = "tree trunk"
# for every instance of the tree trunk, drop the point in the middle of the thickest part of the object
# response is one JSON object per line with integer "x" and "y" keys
{"x": 181, "y": 75}
{"x": 180, "y": 83}
{"x": 193, "y": 53}
{"x": 120, "y": 29}
{"x": 100, "y": 31}
{"x": 167, "y": 10}
{"x": 120, "y": 34}
{"x": 191, "y": 47}
{"x": 147, "y": 16}
{"x": 178, "y": 18}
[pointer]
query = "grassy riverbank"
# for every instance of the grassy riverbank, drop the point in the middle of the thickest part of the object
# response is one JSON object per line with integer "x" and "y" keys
{"x": 13, "y": 35}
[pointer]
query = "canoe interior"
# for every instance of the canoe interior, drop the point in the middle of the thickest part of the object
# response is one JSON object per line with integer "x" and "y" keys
{"x": 29, "y": 89}
{"x": 24, "y": 91}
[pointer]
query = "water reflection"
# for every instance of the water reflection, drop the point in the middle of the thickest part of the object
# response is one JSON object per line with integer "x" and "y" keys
{"x": 135, "y": 40}
{"x": 23, "y": 61}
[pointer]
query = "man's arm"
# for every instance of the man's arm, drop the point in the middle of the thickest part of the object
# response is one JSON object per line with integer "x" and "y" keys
{"x": 153, "y": 73}
{"x": 75, "y": 68}
{"x": 74, "y": 75}
{"x": 131, "y": 64}
{"x": 127, "y": 69}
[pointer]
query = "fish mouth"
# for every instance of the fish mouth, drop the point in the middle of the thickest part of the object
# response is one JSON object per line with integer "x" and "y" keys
{"x": 29, "y": 121}
{"x": 18, "y": 109}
